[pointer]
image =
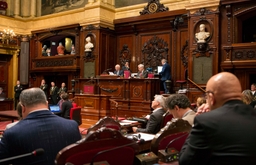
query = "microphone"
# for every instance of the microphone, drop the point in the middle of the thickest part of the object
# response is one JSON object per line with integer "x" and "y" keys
{"x": 36, "y": 152}
{"x": 107, "y": 69}
{"x": 166, "y": 156}
{"x": 140, "y": 141}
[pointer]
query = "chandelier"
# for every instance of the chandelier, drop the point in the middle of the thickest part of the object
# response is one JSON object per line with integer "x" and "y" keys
{"x": 7, "y": 36}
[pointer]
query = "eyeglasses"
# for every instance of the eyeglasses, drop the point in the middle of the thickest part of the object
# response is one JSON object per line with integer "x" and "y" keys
{"x": 207, "y": 92}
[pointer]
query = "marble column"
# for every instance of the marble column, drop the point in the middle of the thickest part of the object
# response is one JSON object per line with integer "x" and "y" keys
{"x": 16, "y": 11}
{"x": 9, "y": 10}
{"x": 25, "y": 12}
{"x": 33, "y": 8}
{"x": 38, "y": 8}
{"x": 24, "y": 59}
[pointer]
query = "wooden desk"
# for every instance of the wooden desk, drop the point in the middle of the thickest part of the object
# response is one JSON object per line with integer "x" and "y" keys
{"x": 6, "y": 104}
{"x": 144, "y": 147}
{"x": 171, "y": 163}
{"x": 134, "y": 96}
{"x": 10, "y": 114}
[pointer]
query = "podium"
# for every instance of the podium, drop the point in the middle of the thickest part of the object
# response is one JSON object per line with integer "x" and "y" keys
{"x": 88, "y": 89}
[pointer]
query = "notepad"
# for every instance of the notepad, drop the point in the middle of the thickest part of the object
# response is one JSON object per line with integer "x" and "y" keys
{"x": 111, "y": 73}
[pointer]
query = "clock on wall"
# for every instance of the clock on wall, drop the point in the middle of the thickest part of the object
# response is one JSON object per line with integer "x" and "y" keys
{"x": 152, "y": 7}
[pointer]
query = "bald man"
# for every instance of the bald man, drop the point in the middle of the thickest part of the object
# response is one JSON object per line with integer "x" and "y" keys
{"x": 226, "y": 134}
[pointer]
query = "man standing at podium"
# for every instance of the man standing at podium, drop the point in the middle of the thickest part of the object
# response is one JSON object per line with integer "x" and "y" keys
{"x": 165, "y": 73}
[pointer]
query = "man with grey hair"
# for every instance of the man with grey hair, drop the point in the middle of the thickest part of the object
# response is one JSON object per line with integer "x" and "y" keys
{"x": 142, "y": 73}
{"x": 39, "y": 128}
{"x": 179, "y": 106}
{"x": 155, "y": 119}
{"x": 118, "y": 70}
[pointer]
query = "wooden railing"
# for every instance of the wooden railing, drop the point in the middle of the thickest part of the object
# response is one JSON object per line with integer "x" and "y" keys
{"x": 191, "y": 81}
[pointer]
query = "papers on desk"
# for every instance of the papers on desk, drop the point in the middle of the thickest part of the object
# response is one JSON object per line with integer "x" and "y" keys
{"x": 127, "y": 122}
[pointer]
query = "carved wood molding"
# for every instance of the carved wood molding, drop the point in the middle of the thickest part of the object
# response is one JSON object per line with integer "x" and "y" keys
{"x": 244, "y": 54}
{"x": 184, "y": 54}
{"x": 202, "y": 50}
{"x": 125, "y": 55}
{"x": 154, "y": 50}
{"x": 204, "y": 11}
{"x": 53, "y": 63}
{"x": 154, "y": 6}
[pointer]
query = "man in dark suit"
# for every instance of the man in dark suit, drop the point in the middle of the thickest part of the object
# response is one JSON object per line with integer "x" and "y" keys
{"x": 126, "y": 66}
{"x": 155, "y": 119}
{"x": 39, "y": 128}
{"x": 226, "y": 134}
{"x": 165, "y": 73}
{"x": 17, "y": 89}
{"x": 65, "y": 107}
{"x": 44, "y": 87}
{"x": 118, "y": 70}
{"x": 54, "y": 93}
{"x": 142, "y": 73}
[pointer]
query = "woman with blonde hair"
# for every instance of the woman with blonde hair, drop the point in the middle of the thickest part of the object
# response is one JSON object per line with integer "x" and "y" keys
{"x": 248, "y": 98}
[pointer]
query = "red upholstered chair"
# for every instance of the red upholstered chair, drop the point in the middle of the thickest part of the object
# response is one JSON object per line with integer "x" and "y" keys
{"x": 181, "y": 82}
{"x": 107, "y": 122}
{"x": 75, "y": 114}
{"x": 173, "y": 129}
{"x": 166, "y": 118}
{"x": 89, "y": 148}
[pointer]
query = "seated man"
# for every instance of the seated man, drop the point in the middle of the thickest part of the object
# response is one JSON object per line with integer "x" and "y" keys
{"x": 65, "y": 107}
{"x": 179, "y": 106}
{"x": 142, "y": 73}
{"x": 155, "y": 119}
{"x": 118, "y": 70}
{"x": 39, "y": 128}
{"x": 225, "y": 134}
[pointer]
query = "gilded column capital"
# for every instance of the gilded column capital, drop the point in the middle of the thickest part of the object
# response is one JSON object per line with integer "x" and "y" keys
{"x": 24, "y": 38}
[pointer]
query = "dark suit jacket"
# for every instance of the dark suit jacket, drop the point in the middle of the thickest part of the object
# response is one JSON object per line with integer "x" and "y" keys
{"x": 154, "y": 122}
{"x": 62, "y": 90}
{"x": 125, "y": 68}
{"x": 40, "y": 129}
{"x": 166, "y": 72}
{"x": 45, "y": 89}
{"x": 17, "y": 91}
{"x": 65, "y": 109}
{"x": 144, "y": 74}
{"x": 54, "y": 94}
{"x": 121, "y": 73}
{"x": 222, "y": 136}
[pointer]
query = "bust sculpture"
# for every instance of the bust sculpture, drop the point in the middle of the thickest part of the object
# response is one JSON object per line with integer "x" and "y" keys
{"x": 202, "y": 35}
{"x": 88, "y": 46}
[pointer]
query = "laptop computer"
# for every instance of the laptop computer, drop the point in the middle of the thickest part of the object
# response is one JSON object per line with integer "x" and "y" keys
{"x": 54, "y": 108}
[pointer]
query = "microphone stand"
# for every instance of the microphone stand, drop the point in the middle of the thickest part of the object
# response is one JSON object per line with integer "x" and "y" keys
{"x": 37, "y": 152}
